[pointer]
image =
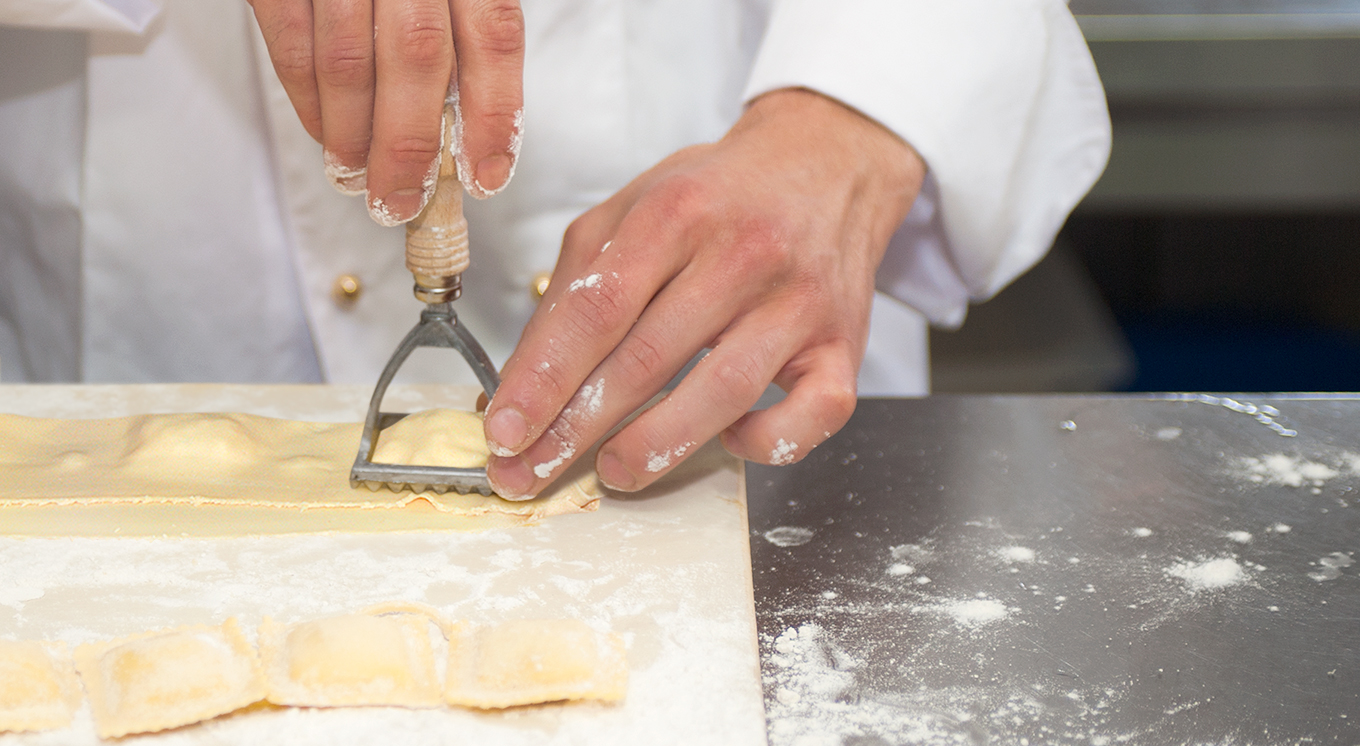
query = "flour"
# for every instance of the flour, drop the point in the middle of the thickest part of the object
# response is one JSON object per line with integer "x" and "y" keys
{"x": 659, "y": 461}
{"x": 784, "y": 453}
{"x": 898, "y": 569}
{"x": 1016, "y": 554}
{"x": 788, "y": 536}
{"x": 1295, "y": 471}
{"x": 1141, "y": 532}
{"x": 545, "y": 469}
{"x": 591, "y": 399}
{"x": 1209, "y": 575}
{"x": 346, "y": 180}
{"x": 1241, "y": 537}
{"x": 588, "y": 281}
{"x": 810, "y": 676}
{"x": 466, "y": 174}
{"x": 975, "y": 612}
{"x": 1168, "y": 433}
{"x": 1330, "y": 566}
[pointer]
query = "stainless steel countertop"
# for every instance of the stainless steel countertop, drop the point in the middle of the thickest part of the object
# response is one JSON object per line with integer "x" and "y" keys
{"x": 1141, "y": 20}
{"x": 1096, "y": 570}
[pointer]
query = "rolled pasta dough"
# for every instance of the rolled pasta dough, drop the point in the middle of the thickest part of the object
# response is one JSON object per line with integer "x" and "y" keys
{"x": 246, "y": 463}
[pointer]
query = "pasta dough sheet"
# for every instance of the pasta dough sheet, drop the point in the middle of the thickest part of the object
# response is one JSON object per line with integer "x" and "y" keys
{"x": 242, "y": 463}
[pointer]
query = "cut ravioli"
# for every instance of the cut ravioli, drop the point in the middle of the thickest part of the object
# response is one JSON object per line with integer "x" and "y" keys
{"x": 356, "y": 659}
{"x": 166, "y": 679}
{"x": 38, "y": 686}
{"x": 533, "y": 661}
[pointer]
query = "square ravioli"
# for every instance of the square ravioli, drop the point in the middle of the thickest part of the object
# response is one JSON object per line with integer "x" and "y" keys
{"x": 356, "y": 659}
{"x": 169, "y": 678}
{"x": 38, "y": 686}
{"x": 533, "y": 661}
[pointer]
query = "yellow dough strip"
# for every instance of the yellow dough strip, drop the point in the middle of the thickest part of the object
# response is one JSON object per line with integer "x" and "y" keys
{"x": 154, "y": 474}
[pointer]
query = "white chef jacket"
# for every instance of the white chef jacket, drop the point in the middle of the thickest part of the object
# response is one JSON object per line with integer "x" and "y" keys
{"x": 164, "y": 216}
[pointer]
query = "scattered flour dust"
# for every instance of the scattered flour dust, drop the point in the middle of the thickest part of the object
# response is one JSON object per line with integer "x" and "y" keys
{"x": 1241, "y": 537}
{"x": 1141, "y": 532}
{"x": 1209, "y": 575}
{"x": 788, "y": 536}
{"x": 545, "y": 470}
{"x": 1016, "y": 554}
{"x": 784, "y": 453}
{"x": 588, "y": 281}
{"x": 975, "y": 612}
{"x": 811, "y": 676}
{"x": 1295, "y": 471}
{"x": 658, "y": 461}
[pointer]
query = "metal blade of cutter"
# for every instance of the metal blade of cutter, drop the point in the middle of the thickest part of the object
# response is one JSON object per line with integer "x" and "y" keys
{"x": 438, "y": 327}
{"x": 437, "y": 255}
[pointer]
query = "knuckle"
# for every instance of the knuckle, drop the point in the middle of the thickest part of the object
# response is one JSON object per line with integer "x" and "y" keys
{"x": 348, "y": 63}
{"x": 584, "y": 233}
{"x": 737, "y": 379}
{"x": 641, "y": 360}
{"x": 596, "y": 313}
{"x": 424, "y": 42}
{"x": 681, "y": 199}
{"x": 497, "y": 28}
{"x": 566, "y": 431}
{"x": 292, "y": 58}
{"x": 413, "y": 150}
{"x": 760, "y": 246}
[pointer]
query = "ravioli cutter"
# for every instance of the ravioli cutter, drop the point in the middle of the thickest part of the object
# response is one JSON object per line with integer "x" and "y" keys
{"x": 437, "y": 255}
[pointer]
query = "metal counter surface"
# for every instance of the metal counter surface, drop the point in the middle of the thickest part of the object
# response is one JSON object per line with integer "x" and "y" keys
{"x": 1099, "y": 570}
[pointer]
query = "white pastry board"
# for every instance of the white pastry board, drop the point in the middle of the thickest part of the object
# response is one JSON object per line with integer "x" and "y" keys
{"x": 669, "y": 570}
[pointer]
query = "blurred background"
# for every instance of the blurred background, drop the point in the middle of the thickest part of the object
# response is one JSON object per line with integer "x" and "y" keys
{"x": 1221, "y": 249}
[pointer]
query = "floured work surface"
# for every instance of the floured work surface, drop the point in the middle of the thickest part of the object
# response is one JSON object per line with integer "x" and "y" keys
{"x": 667, "y": 570}
{"x": 201, "y": 473}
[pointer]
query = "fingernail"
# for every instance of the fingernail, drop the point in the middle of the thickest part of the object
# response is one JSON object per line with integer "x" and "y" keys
{"x": 492, "y": 172}
{"x": 346, "y": 180}
{"x": 397, "y": 207}
{"x": 506, "y": 431}
{"x": 510, "y": 478}
{"x": 613, "y": 473}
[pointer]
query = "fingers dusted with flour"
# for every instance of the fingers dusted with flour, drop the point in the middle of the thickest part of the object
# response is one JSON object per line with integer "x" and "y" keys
{"x": 369, "y": 78}
{"x": 489, "y": 36}
{"x": 414, "y": 63}
{"x": 345, "y": 81}
{"x": 761, "y": 247}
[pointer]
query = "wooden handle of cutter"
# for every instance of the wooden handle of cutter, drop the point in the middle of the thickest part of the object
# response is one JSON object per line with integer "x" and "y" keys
{"x": 436, "y": 239}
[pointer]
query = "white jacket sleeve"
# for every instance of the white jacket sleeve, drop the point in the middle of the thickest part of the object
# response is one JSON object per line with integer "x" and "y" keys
{"x": 127, "y": 16}
{"x": 1000, "y": 98}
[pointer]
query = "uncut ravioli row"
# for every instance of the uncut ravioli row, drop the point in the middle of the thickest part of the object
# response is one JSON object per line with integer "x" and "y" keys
{"x": 384, "y": 656}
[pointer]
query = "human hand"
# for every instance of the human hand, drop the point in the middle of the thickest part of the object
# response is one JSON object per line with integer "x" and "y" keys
{"x": 762, "y": 246}
{"x": 369, "y": 78}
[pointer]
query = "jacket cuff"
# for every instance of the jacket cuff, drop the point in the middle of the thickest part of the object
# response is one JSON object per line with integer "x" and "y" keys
{"x": 999, "y": 97}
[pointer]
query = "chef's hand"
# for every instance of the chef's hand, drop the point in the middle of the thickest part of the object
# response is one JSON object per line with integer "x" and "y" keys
{"x": 368, "y": 79}
{"x": 763, "y": 247}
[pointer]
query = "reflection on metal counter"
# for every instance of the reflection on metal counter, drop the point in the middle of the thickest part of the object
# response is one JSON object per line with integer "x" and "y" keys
{"x": 1095, "y": 570}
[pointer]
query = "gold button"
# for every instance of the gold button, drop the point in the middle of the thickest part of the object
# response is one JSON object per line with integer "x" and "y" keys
{"x": 346, "y": 290}
{"x": 539, "y": 285}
